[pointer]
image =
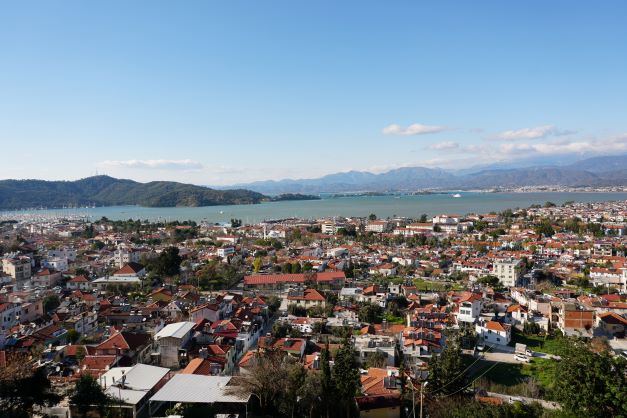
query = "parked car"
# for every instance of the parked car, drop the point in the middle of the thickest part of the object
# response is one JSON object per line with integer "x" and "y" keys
{"x": 522, "y": 358}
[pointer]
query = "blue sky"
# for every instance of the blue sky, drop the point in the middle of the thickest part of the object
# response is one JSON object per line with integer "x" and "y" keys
{"x": 223, "y": 92}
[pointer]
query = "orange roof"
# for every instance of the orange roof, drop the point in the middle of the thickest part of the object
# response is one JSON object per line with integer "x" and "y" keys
{"x": 308, "y": 294}
{"x": 497, "y": 326}
{"x": 612, "y": 318}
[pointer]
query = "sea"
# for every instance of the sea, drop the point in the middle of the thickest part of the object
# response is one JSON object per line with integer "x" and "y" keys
{"x": 383, "y": 206}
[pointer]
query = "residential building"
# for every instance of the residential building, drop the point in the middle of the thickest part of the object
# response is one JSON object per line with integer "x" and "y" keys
{"x": 509, "y": 271}
{"x": 575, "y": 320}
{"x": 493, "y": 332}
{"x": 171, "y": 341}
{"x": 18, "y": 267}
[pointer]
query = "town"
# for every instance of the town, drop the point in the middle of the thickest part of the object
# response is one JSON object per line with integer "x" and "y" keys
{"x": 521, "y": 313}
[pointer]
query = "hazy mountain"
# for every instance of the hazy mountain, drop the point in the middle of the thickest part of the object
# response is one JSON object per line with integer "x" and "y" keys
{"x": 597, "y": 171}
{"x": 397, "y": 179}
{"x": 602, "y": 164}
{"x": 105, "y": 190}
{"x": 535, "y": 176}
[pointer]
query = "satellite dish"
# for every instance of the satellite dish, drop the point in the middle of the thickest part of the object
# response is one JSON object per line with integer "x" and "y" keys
{"x": 58, "y": 369}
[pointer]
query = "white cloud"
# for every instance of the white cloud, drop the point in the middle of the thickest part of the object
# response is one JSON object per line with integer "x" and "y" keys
{"x": 595, "y": 147}
{"x": 154, "y": 164}
{"x": 537, "y": 132}
{"x": 444, "y": 146}
{"x": 414, "y": 129}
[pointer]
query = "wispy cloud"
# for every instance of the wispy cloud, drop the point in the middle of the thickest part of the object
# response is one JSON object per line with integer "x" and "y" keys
{"x": 538, "y": 132}
{"x": 589, "y": 147}
{"x": 414, "y": 129}
{"x": 154, "y": 164}
{"x": 444, "y": 146}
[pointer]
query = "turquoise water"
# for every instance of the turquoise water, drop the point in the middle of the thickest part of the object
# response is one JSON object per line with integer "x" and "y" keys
{"x": 382, "y": 206}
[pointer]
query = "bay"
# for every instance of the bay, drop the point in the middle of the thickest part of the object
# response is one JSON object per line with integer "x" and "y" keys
{"x": 382, "y": 206}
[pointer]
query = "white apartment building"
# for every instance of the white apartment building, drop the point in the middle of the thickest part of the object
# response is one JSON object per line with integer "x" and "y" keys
{"x": 330, "y": 228}
{"x": 9, "y": 316}
{"x": 225, "y": 251}
{"x": 17, "y": 267}
{"x": 508, "y": 270}
{"x": 124, "y": 256}
{"x": 68, "y": 253}
{"x": 377, "y": 226}
{"x": 56, "y": 263}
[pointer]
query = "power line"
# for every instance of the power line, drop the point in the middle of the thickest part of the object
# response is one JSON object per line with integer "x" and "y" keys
{"x": 460, "y": 374}
{"x": 478, "y": 377}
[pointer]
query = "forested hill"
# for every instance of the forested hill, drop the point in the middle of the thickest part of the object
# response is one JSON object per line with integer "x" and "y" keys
{"x": 109, "y": 191}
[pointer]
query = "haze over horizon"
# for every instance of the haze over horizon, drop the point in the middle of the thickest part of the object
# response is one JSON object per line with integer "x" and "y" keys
{"x": 227, "y": 93}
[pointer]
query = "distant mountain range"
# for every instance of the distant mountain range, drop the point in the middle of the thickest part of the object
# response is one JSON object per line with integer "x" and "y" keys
{"x": 108, "y": 191}
{"x": 597, "y": 171}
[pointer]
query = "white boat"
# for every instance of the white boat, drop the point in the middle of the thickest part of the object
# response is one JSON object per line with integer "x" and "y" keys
{"x": 457, "y": 195}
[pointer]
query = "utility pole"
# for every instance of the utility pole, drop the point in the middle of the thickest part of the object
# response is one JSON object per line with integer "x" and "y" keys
{"x": 422, "y": 386}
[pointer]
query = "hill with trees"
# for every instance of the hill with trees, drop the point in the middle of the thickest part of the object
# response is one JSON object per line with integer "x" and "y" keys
{"x": 109, "y": 191}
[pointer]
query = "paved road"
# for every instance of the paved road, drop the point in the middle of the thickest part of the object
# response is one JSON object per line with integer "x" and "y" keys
{"x": 505, "y": 354}
{"x": 509, "y": 398}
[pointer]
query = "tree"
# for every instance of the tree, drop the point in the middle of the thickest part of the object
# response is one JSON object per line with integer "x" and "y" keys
{"x": 295, "y": 377}
{"x": 346, "y": 377}
{"x": 591, "y": 384}
{"x": 327, "y": 384}
{"x": 274, "y": 303}
{"x": 167, "y": 264}
{"x": 489, "y": 280}
{"x": 282, "y": 329}
{"x": 73, "y": 335}
{"x": 371, "y": 313}
{"x": 372, "y": 217}
{"x": 446, "y": 371}
{"x": 286, "y": 268}
{"x": 265, "y": 379}
{"x": 311, "y": 395}
{"x": 97, "y": 245}
{"x": 21, "y": 388}
{"x": 423, "y": 218}
{"x": 88, "y": 232}
{"x": 236, "y": 223}
{"x": 377, "y": 359}
{"x": 88, "y": 394}
{"x": 257, "y": 264}
{"x": 51, "y": 302}
{"x": 544, "y": 228}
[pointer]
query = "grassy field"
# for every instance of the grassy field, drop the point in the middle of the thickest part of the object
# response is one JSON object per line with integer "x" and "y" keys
{"x": 513, "y": 378}
{"x": 436, "y": 286}
{"x": 549, "y": 345}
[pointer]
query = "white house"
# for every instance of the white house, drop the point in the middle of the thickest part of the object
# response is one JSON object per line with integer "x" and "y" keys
{"x": 225, "y": 251}
{"x": 493, "y": 332}
{"x": 56, "y": 263}
{"x": 78, "y": 283}
{"x": 66, "y": 252}
{"x": 469, "y": 308}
